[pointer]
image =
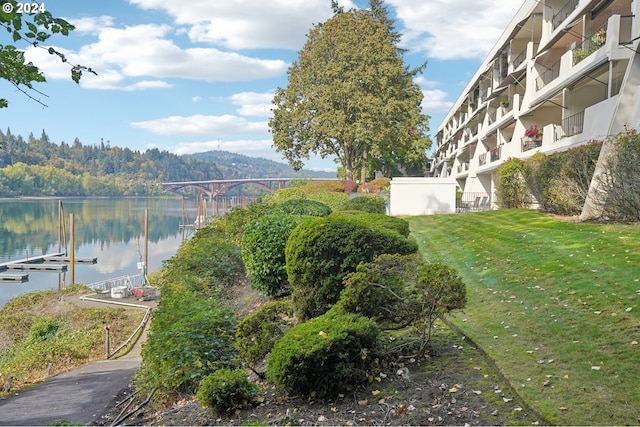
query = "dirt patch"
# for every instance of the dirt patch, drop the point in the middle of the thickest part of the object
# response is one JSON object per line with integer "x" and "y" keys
{"x": 456, "y": 385}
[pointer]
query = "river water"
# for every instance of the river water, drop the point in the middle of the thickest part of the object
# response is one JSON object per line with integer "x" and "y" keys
{"x": 111, "y": 230}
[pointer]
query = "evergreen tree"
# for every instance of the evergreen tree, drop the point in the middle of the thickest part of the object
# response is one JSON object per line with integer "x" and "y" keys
{"x": 350, "y": 96}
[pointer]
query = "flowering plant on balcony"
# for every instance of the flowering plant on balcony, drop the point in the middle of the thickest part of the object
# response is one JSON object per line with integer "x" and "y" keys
{"x": 533, "y": 132}
{"x": 599, "y": 38}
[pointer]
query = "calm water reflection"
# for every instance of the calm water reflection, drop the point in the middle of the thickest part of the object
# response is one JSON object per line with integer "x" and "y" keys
{"x": 110, "y": 229}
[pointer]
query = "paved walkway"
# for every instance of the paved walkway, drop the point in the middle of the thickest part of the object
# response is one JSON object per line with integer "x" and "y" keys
{"x": 81, "y": 395}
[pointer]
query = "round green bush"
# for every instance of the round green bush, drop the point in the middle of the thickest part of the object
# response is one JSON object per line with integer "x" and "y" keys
{"x": 371, "y": 203}
{"x": 302, "y": 207}
{"x": 320, "y": 252}
{"x": 257, "y": 333}
{"x": 376, "y": 220}
{"x": 331, "y": 354}
{"x": 332, "y": 199}
{"x": 263, "y": 245}
{"x": 226, "y": 390}
{"x": 288, "y": 193}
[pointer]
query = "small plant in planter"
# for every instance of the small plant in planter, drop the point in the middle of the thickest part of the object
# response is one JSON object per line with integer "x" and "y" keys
{"x": 504, "y": 102}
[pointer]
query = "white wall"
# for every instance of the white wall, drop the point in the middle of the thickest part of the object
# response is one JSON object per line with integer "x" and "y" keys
{"x": 422, "y": 196}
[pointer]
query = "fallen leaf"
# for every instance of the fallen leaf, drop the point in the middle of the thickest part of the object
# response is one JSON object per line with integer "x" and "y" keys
{"x": 546, "y": 383}
{"x": 363, "y": 402}
{"x": 453, "y": 389}
{"x": 506, "y": 399}
{"x": 334, "y": 409}
{"x": 595, "y": 368}
{"x": 563, "y": 408}
{"x": 322, "y": 418}
{"x": 375, "y": 392}
{"x": 634, "y": 342}
{"x": 629, "y": 309}
{"x": 477, "y": 391}
{"x": 323, "y": 334}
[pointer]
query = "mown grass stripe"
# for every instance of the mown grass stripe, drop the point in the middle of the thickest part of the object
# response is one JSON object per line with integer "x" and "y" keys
{"x": 554, "y": 303}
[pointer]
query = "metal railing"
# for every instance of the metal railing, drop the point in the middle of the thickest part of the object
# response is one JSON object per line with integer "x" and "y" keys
{"x": 496, "y": 154}
{"x": 529, "y": 143}
{"x": 590, "y": 44}
{"x": 519, "y": 59}
{"x": 470, "y": 201}
{"x": 564, "y": 13}
{"x": 573, "y": 125}
{"x": 130, "y": 282}
{"x": 548, "y": 76}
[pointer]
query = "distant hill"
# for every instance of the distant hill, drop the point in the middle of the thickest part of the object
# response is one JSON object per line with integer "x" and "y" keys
{"x": 238, "y": 166}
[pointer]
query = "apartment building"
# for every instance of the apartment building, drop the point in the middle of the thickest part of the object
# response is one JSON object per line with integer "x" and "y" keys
{"x": 564, "y": 72}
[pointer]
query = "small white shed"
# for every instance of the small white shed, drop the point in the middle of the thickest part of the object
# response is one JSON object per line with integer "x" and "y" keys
{"x": 422, "y": 196}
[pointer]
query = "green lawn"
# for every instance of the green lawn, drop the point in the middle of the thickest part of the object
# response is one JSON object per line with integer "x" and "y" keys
{"x": 553, "y": 303}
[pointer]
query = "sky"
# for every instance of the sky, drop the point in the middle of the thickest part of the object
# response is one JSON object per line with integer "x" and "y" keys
{"x": 199, "y": 75}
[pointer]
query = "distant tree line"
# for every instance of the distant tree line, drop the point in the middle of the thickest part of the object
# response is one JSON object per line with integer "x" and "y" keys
{"x": 40, "y": 167}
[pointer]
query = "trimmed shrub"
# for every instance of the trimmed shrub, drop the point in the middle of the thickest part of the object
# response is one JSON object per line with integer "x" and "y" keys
{"x": 619, "y": 197}
{"x": 511, "y": 188}
{"x": 226, "y": 390}
{"x": 230, "y": 226}
{"x": 350, "y": 186}
{"x": 328, "y": 355}
{"x": 263, "y": 246}
{"x": 370, "y": 203}
{"x": 321, "y": 251}
{"x": 334, "y": 200}
{"x": 190, "y": 337}
{"x": 204, "y": 264}
{"x": 398, "y": 291}
{"x": 302, "y": 207}
{"x": 289, "y": 193}
{"x": 375, "y": 220}
{"x": 257, "y": 333}
{"x": 375, "y": 186}
{"x": 377, "y": 290}
{"x": 560, "y": 182}
{"x": 332, "y": 186}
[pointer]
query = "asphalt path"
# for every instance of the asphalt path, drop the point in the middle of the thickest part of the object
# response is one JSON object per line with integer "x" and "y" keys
{"x": 79, "y": 396}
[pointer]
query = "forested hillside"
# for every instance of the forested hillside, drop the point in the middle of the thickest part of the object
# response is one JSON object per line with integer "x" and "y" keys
{"x": 40, "y": 167}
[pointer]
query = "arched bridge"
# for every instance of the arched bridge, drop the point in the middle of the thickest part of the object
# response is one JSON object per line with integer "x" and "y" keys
{"x": 219, "y": 187}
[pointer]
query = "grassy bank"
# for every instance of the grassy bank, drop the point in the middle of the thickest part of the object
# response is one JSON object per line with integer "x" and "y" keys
{"x": 42, "y": 334}
{"x": 554, "y": 303}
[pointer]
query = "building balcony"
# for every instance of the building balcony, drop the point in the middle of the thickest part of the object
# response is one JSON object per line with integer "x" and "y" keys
{"x": 531, "y": 143}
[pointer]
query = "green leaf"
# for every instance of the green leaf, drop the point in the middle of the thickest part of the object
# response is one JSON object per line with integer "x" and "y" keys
{"x": 16, "y": 36}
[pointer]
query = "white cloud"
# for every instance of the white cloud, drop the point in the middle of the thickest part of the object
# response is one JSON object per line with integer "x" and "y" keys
{"x": 201, "y": 125}
{"x": 253, "y": 104}
{"x": 124, "y": 54}
{"x": 196, "y": 99}
{"x": 454, "y": 29}
{"x": 434, "y": 101}
{"x": 91, "y": 24}
{"x": 246, "y": 24}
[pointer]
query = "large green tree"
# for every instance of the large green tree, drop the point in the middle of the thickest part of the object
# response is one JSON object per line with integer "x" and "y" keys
{"x": 350, "y": 96}
{"x": 29, "y": 24}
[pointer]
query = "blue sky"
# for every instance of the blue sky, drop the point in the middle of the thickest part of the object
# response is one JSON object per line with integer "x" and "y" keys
{"x": 195, "y": 76}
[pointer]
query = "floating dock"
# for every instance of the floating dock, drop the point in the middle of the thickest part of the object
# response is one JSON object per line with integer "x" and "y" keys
{"x": 50, "y": 262}
{"x": 67, "y": 260}
{"x": 19, "y": 277}
{"x": 37, "y": 267}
